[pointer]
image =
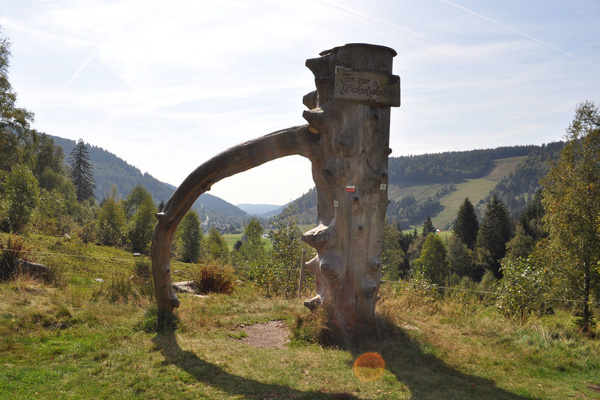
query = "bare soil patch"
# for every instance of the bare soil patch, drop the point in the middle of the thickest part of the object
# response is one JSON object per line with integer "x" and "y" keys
{"x": 270, "y": 335}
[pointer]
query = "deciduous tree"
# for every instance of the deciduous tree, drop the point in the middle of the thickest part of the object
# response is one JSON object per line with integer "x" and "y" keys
{"x": 286, "y": 254}
{"x": 142, "y": 221}
{"x": 14, "y": 121}
{"x": 110, "y": 224}
{"x": 394, "y": 259}
{"x": 22, "y": 192}
{"x": 216, "y": 246}
{"x": 462, "y": 262}
{"x": 251, "y": 253}
{"x": 189, "y": 237}
{"x": 433, "y": 263}
{"x": 571, "y": 198}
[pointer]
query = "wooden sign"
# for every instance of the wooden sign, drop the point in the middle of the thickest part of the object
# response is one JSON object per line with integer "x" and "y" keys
{"x": 367, "y": 87}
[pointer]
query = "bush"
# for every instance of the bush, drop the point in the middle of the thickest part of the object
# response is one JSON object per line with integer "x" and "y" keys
{"x": 416, "y": 292}
{"x": 9, "y": 254}
{"x": 522, "y": 290}
{"x": 213, "y": 278}
{"x": 311, "y": 328}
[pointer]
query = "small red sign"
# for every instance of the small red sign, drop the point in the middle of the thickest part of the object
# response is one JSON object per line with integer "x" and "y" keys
{"x": 350, "y": 188}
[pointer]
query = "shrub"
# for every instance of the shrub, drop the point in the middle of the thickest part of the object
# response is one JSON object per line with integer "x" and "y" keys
{"x": 416, "y": 292}
{"x": 9, "y": 254}
{"x": 311, "y": 328}
{"x": 213, "y": 278}
{"x": 522, "y": 290}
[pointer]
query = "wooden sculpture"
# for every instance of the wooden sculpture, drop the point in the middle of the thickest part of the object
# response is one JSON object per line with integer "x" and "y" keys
{"x": 347, "y": 142}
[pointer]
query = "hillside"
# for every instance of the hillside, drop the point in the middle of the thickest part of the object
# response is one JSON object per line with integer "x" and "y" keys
{"x": 431, "y": 185}
{"x": 111, "y": 170}
{"x": 435, "y": 185}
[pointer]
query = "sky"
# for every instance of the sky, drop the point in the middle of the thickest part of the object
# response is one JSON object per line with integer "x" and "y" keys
{"x": 167, "y": 85}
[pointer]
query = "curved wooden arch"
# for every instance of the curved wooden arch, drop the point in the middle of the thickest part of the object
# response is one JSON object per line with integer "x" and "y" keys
{"x": 240, "y": 158}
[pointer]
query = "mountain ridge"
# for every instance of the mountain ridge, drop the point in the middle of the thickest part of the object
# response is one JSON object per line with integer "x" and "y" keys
{"x": 419, "y": 186}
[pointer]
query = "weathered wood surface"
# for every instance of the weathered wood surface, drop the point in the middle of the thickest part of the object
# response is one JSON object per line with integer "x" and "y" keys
{"x": 347, "y": 142}
{"x": 351, "y": 176}
{"x": 296, "y": 140}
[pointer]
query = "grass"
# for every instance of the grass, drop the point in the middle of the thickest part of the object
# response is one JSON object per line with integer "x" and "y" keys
{"x": 231, "y": 238}
{"x": 474, "y": 189}
{"x": 71, "y": 340}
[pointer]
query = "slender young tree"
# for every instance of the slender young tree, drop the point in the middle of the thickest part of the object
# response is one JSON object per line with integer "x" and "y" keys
{"x": 466, "y": 225}
{"x": 286, "y": 253}
{"x": 461, "y": 259}
{"x": 21, "y": 193}
{"x": 216, "y": 246}
{"x": 393, "y": 256}
{"x": 571, "y": 198}
{"x": 190, "y": 238}
{"x": 139, "y": 209}
{"x": 433, "y": 262}
{"x": 111, "y": 221}
{"x": 82, "y": 174}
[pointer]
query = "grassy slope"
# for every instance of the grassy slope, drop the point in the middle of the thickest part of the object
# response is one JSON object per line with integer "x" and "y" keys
{"x": 80, "y": 341}
{"x": 474, "y": 189}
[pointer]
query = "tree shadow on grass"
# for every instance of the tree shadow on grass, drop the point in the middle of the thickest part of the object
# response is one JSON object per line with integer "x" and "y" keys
{"x": 424, "y": 375}
{"x": 215, "y": 376}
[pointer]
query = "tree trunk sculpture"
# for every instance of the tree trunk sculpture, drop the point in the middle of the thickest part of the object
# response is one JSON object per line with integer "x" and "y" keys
{"x": 347, "y": 142}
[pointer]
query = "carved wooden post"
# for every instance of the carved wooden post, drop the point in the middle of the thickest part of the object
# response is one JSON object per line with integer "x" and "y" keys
{"x": 350, "y": 111}
{"x": 347, "y": 142}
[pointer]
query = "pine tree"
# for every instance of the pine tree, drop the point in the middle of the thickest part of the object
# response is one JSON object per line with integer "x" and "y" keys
{"x": 82, "y": 174}
{"x": 494, "y": 233}
{"x": 428, "y": 227}
{"x": 466, "y": 225}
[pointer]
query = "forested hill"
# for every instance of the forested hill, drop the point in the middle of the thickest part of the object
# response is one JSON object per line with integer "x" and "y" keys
{"x": 110, "y": 170}
{"x": 450, "y": 166}
{"x": 517, "y": 189}
{"x": 419, "y": 186}
{"x": 435, "y": 185}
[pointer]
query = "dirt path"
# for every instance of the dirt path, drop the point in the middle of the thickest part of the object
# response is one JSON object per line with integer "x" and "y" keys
{"x": 270, "y": 335}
